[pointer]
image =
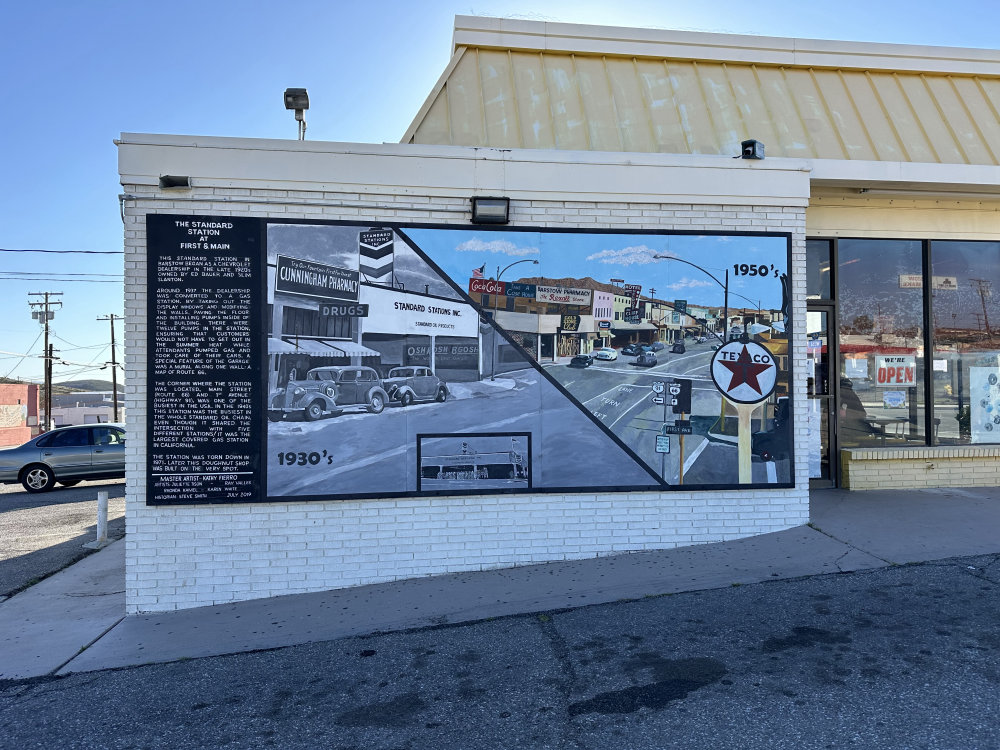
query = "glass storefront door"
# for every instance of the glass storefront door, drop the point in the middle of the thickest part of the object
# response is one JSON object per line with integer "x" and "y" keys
{"x": 820, "y": 354}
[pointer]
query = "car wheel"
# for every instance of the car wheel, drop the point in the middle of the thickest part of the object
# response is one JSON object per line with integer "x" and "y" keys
{"x": 313, "y": 412}
{"x": 406, "y": 399}
{"x": 441, "y": 396}
{"x": 70, "y": 482}
{"x": 275, "y": 416}
{"x": 376, "y": 403}
{"x": 38, "y": 478}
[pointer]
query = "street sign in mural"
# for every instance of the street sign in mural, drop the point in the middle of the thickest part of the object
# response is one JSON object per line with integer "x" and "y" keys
{"x": 334, "y": 360}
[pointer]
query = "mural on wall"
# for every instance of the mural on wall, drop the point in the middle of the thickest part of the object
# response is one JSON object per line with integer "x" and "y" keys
{"x": 397, "y": 360}
{"x": 581, "y": 340}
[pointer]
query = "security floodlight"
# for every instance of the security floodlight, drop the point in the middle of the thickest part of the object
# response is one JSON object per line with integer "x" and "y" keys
{"x": 752, "y": 149}
{"x": 490, "y": 210}
{"x": 298, "y": 100}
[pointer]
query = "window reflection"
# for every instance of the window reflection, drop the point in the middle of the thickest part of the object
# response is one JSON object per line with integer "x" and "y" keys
{"x": 966, "y": 362}
{"x": 818, "y": 276}
{"x": 880, "y": 289}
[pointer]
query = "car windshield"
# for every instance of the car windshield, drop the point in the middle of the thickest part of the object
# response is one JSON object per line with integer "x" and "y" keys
{"x": 320, "y": 375}
{"x": 401, "y": 372}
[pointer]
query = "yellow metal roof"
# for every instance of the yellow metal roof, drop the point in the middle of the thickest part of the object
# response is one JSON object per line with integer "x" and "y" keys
{"x": 521, "y": 85}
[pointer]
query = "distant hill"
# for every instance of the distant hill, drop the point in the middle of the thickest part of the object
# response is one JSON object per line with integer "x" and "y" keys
{"x": 74, "y": 386}
{"x": 13, "y": 381}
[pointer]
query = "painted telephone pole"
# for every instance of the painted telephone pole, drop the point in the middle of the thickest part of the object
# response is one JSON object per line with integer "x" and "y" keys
{"x": 43, "y": 311}
{"x": 114, "y": 362}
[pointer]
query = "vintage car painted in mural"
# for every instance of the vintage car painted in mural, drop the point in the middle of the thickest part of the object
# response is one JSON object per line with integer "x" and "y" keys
{"x": 646, "y": 359}
{"x": 407, "y": 385}
{"x": 326, "y": 391}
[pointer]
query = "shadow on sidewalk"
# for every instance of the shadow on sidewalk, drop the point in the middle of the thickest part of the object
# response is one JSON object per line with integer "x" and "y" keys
{"x": 18, "y": 573}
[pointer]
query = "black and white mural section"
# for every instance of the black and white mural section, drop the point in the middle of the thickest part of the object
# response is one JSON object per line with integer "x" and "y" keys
{"x": 390, "y": 360}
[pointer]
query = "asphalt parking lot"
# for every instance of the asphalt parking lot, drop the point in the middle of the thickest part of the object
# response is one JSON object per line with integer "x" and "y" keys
{"x": 44, "y": 532}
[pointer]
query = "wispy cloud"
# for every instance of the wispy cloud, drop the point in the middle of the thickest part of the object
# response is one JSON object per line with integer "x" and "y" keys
{"x": 502, "y": 247}
{"x": 638, "y": 255}
{"x": 687, "y": 283}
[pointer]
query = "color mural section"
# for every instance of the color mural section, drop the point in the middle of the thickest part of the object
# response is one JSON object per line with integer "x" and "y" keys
{"x": 399, "y": 360}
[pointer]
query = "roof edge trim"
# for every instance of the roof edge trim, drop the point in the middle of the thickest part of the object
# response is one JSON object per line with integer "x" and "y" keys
{"x": 503, "y": 33}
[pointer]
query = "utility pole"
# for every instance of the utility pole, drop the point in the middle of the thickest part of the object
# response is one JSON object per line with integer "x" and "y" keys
{"x": 43, "y": 311}
{"x": 983, "y": 286}
{"x": 114, "y": 363}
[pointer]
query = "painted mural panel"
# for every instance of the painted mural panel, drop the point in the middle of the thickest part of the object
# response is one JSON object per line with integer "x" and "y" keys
{"x": 397, "y": 360}
{"x": 621, "y": 319}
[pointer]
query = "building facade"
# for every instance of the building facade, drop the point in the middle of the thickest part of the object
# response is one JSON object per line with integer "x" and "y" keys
{"x": 778, "y": 259}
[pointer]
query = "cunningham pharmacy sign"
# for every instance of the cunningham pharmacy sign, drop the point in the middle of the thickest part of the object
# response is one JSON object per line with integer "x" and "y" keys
{"x": 310, "y": 279}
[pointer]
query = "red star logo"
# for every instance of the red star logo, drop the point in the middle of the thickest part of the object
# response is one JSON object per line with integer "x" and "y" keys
{"x": 744, "y": 371}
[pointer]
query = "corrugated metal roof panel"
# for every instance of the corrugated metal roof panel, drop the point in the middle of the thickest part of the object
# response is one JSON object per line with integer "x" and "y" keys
{"x": 534, "y": 107}
{"x": 511, "y": 98}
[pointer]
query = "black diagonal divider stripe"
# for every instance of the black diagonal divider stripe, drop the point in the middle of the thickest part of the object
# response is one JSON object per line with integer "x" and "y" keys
{"x": 529, "y": 360}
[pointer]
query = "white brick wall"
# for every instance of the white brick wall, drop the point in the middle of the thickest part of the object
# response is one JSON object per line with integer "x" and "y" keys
{"x": 181, "y": 557}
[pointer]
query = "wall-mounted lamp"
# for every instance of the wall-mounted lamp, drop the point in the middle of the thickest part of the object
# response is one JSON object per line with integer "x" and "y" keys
{"x": 298, "y": 99}
{"x": 490, "y": 210}
{"x": 168, "y": 181}
{"x": 752, "y": 149}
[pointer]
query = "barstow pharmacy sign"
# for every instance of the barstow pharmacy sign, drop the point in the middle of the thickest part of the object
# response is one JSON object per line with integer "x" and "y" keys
{"x": 317, "y": 280}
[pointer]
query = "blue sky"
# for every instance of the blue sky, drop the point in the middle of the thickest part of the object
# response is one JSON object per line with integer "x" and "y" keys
{"x": 76, "y": 74}
{"x": 620, "y": 256}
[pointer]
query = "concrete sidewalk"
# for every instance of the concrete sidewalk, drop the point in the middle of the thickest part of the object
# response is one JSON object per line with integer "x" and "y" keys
{"x": 74, "y": 621}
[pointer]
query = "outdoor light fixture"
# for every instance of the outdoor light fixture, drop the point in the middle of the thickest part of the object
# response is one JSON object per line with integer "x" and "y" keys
{"x": 490, "y": 210}
{"x": 752, "y": 149}
{"x": 298, "y": 99}
{"x": 174, "y": 181}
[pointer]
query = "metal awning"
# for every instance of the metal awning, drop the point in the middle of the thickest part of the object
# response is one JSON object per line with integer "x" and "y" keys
{"x": 628, "y": 327}
{"x": 535, "y": 85}
{"x": 326, "y": 348}
{"x": 280, "y": 346}
{"x": 352, "y": 349}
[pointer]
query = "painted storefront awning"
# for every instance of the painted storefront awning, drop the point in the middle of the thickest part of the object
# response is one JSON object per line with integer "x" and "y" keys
{"x": 623, "y": 327}
{"x": 280, "y": 346}
{"x": 351, "y": 349}
{"x": 324, "y": 348}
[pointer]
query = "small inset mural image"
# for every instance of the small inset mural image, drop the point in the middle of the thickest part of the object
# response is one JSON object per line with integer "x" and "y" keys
{"x": 487, "y": 461}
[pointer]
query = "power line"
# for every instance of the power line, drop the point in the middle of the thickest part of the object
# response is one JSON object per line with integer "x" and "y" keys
{"x": 65, "y": 273}
{"x": 24, "y": 356}
{"x": 81, "y": 252}
{"x": 78, "y": 346}
{"x": 59, "y": 279}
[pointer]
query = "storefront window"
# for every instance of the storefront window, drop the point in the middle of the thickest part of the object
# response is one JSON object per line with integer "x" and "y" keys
{"x": 880, "y": 294}
{"x": 966, "y": 315}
